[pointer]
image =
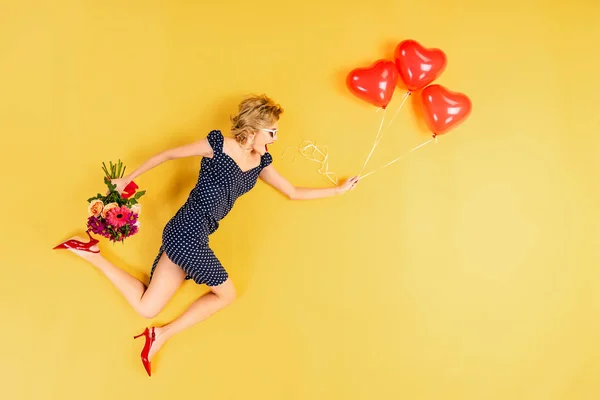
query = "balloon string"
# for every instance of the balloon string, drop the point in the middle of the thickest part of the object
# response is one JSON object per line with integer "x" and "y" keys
{"x": 398, "y": 158}
{"x": 305, "y": 150}
{"x": 405, "y": 97}
{"x": 375, "y": 143}
{"x": 381, "y": 132}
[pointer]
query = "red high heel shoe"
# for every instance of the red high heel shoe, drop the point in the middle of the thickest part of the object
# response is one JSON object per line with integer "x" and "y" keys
{"x": 77, "y": 245}
{"x": 147, "y": 346}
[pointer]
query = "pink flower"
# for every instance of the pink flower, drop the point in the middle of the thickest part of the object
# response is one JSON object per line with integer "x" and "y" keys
{"x": 118, "y": 216}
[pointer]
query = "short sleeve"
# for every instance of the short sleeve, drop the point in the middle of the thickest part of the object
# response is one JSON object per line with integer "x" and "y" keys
{"x": 215, "y": 139}
{"x": 266, "y": 160}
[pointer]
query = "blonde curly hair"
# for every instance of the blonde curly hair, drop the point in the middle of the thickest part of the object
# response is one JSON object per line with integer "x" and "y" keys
{"x": 255, "y": 112}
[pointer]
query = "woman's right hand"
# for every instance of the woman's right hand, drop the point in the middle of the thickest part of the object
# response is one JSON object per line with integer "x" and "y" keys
{"x": 121, "y": 183}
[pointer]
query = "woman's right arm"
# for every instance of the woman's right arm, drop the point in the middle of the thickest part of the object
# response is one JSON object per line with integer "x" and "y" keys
{"x": 198, "y": 148}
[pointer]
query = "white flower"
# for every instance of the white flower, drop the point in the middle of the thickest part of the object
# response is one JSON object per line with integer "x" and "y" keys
{"x": 136, "y": 208}
{"x": 95, "y": 207}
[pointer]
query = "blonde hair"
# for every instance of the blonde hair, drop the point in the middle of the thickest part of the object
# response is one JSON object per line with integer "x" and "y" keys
{"x": 254, "y": 112}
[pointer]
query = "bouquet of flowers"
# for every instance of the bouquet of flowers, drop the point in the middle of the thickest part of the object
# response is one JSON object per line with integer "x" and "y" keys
{"x": 115, "y": 215}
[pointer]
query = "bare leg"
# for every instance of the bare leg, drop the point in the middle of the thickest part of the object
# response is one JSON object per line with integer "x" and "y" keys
{"x": 204, "y": 307}
{"x": 148, "y": 302}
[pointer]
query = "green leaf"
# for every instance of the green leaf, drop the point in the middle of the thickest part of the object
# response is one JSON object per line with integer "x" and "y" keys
{"x": 133, "y": 201}
{"x": 139, "y": 194}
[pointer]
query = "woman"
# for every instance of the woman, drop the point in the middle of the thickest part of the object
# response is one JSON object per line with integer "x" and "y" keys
{"x": 230, "y": 167}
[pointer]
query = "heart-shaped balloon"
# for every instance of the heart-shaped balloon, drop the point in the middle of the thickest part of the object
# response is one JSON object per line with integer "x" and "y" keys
{"x": 443, "y": 108}
{"x": 418, "y": 66}
{"x": 375, "y": 84}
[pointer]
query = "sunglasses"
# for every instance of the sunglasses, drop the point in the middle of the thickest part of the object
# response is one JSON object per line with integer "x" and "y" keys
{"x": 273, "y": 132}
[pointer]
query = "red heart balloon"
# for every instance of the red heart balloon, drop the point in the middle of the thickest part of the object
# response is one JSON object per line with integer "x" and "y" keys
{"x": 443, "y": 108}
{"x": 375, "y": 84}
{"x": 418, "y": 66}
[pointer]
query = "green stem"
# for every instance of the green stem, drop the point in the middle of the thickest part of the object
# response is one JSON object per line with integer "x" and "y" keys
{"x": 105, "y": 169}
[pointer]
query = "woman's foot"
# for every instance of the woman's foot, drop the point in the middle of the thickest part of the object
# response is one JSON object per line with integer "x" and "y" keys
{"x": 92, "y": 254}
{"x": 160, "y": 339}
{"x": 81, "y": 247}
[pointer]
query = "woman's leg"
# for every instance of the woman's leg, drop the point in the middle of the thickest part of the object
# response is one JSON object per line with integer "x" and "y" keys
{"x": 147, "y": 302}
{"x": 204, "y": 307}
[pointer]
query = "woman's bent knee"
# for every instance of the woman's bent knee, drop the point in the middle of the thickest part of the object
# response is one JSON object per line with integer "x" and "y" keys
{"x": 148, "y": 312}
{"x": 225, "y": 291}
{"x": 230, "y": 297}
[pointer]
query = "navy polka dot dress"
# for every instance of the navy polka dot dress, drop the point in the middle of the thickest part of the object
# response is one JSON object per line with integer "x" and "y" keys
{"x": 185, "y": 237}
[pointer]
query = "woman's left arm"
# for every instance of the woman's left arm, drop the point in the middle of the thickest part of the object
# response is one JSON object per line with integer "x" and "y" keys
{"x": 271, "y": 176}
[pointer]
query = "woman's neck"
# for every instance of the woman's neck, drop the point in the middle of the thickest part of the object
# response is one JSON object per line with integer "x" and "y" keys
{"x": 246, "y": 150}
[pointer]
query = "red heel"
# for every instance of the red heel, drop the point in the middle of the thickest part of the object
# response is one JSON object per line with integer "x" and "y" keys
{"x": 77, "y": 245}
{"x": 147, "y": 346}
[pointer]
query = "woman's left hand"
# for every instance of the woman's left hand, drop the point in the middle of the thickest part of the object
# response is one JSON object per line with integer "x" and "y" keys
{"x": 350, "y": 184}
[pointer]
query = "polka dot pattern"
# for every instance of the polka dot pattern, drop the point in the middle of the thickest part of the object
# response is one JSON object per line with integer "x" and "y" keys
{"x": 185, "y": 238}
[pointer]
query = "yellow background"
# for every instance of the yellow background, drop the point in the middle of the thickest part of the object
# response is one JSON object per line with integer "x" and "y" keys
{"x": 467, "y": 271}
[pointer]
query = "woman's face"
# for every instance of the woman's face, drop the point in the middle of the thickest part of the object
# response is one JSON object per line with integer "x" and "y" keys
{"x": 264, "y": 137}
